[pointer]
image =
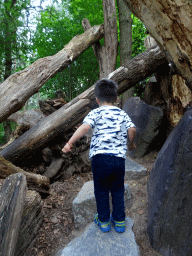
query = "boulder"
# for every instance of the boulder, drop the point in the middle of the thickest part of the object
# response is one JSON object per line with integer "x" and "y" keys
{"x": 29, "y": 117}
{"x": 84, "y": 205}
{"x": 147, "y": 120}
{"x": 170, "y": 193}
{"x": 94, "y": 242}
{"x": 133, "y": 170}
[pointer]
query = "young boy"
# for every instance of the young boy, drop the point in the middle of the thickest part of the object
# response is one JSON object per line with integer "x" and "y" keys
{"x": 108, "y": 152}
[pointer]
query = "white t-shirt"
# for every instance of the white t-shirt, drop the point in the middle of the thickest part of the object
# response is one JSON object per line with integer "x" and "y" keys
{"x": 110, "y": 125}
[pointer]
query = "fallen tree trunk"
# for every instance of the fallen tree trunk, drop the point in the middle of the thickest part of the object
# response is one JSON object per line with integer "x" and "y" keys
{"x": 34, "y": 181}
{"x": 170, "y": 23}
{"x": 73, "y": 112}
{"x": 20, "y": 86}
{"x": 12, "y": 197}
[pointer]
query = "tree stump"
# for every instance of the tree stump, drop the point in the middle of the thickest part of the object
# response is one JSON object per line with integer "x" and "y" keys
{"x": 12, "y": 197}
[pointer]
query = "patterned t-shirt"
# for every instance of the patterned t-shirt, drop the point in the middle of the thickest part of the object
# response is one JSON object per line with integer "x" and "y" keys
{"x": 110, "y": 125}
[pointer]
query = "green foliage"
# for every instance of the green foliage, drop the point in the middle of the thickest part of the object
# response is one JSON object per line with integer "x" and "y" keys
{"x": 55, "y": 28}
{"x": 2, "y": 132}
{"x": 2, "y": 135}
{"x": 13, "y": 35}
{"x": 138, "y": 36}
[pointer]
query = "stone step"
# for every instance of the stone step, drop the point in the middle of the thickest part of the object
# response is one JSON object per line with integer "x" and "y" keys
{"x": 93, "y": 242}
{"x": 84, "y": 205}
{"x": 133, "y": 170}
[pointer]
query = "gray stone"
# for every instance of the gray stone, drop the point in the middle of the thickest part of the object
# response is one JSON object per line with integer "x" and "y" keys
{"x": 84, "y": 205}
{"x": 93, "y": 242}
{"x": 134, "y": 170}
{"x": 28, "y": 117}
{"x": 170, "y": 193}
{"x": 147, "y": 120}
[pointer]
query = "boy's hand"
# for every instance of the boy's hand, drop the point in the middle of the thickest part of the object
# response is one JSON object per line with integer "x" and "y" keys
{"x": 66, "y": 148}
{"x": 132, "y": 146}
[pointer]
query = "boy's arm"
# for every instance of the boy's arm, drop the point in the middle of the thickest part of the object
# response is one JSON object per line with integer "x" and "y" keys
{"x": 131, "y": 134}
{"x": 80, "y": 132}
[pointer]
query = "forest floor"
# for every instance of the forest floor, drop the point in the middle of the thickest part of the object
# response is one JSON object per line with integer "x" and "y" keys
{"x": 58, "y": 227}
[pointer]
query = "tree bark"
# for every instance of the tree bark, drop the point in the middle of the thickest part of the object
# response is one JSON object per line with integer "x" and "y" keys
{"x": 34, "y": 181}
{"x": 73, "y": 112}
{"x": 54, "y": 167}
{"x": 170, "y": 23}
{"x": 106, "y": 54}
{"x": 19, "y": 87}
{"x": 125, "y": 24}
{"x": 172, "y": 89}
{"x": 12, "y": 197}
{"x": 31, "y": 221}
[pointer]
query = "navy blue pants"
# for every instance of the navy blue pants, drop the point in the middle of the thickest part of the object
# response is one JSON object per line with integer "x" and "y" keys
{"x": 108, "y": 176}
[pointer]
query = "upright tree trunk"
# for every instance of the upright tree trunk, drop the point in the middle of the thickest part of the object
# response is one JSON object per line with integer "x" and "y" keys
{"x": 170, "y": 23}
{"x": 125, "y": 24}
{"x": 107, "y": 53}
{"x": 8, "y": 63}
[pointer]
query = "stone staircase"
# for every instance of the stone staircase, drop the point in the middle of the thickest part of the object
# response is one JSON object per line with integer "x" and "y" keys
{"x": 93, "y": 242}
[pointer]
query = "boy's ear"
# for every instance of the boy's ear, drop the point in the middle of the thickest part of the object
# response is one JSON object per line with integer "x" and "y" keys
{"x": 97, "y": 100}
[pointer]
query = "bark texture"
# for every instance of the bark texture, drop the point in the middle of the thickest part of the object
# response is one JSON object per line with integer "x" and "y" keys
{"x": 170, "y": 23}
{"x": 125, "y": 24}
{"x": 106, "y": 54}
{"x": 73, "y": 112}
{"x": 12, "y": 198}
{"x": 30, "y": 222}
{"x": 20, "y": 86}
{"x": 172, "y": 89}
{"x": 34, "y": 181}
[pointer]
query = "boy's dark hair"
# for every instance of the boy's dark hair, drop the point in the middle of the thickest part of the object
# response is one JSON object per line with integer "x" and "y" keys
{"x": 106, "y": 90}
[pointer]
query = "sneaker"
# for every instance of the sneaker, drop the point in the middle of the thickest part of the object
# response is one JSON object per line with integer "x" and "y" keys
{"x": 119, "y": 225}
{"x": 104, "y": 226}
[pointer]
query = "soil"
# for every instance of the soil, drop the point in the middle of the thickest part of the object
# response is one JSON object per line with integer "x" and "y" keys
{"x": 58, "y": 227}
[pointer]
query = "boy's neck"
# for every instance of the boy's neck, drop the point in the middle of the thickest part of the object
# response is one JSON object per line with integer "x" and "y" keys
{"x": 105, "y": 104}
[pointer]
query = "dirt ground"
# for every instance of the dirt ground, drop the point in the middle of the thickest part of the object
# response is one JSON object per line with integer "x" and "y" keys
{"x": 58, "y": 227}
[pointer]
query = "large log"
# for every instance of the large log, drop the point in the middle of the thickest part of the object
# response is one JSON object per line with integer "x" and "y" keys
{"x": 31, "y": 221}
{"x": 34, "y": 181}
{"x": 12, "y": 197}
{"x": 73, "y": 112}
{"x": 20, "y": 86}
{"x": 170, "y": 23}
{"x": 172, "y": 89}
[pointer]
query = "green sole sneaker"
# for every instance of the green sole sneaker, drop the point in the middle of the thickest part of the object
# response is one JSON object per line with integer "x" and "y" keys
{"x": 119, "y": 225}
{"x": 104, "y": 226}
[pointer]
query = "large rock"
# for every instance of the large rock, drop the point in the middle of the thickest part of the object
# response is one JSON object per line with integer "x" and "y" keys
{"x": 93, "y": 242}
{"x": 84, "y": 205}
{"x": 28, "y": 117}
{"x": 170, "y": 193}
{"x": 147, "y": 120}
{"x": 133, "y": 170}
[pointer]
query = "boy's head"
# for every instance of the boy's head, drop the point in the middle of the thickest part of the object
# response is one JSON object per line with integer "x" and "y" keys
{"x": 106, "y": 90}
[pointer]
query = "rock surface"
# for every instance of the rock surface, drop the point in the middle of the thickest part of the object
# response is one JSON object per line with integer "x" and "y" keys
{"x": 29, "y": 117}
{"x": 84, "y": 205}
{"x": 170, "y": 193}
{"x": 134, "y": 170}
{"x": 93, "y": 242}
{"x": 147, "y": 120}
